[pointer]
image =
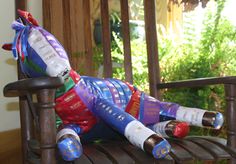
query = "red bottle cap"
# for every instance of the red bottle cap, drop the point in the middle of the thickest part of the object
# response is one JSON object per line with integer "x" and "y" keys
{"x": 181, "y": 130}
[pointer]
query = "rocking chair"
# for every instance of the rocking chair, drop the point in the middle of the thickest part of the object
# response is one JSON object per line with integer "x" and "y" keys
{"x": 38, "y": 116}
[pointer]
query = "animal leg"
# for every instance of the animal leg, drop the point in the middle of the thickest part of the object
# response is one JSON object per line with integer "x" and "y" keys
{"x": 194, "y": 116}
{"x": 68, "y": 143}
{"x": 131, "y": 128}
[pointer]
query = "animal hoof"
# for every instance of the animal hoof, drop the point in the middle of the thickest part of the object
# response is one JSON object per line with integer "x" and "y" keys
{"x": 70, "y": 149}
{"x": 157, "y": 146}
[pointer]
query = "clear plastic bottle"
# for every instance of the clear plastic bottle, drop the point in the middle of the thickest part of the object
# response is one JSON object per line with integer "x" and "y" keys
{"x": 171, "y": 128}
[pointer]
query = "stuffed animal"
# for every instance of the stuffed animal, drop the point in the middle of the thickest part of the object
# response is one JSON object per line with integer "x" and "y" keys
{"x": 84, "y": 102}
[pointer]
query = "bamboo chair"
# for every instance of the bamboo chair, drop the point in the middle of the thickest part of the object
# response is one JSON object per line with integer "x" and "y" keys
{"x": 38, "y": 117}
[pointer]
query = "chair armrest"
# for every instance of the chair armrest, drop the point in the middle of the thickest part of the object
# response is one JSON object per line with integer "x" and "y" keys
{"x": 24, "y": 86}
{"x": 198, "y": 82}
{"x": 229, "y": 83}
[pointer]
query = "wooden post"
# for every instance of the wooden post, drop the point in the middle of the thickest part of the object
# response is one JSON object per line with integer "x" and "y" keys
{"x": 151, "y": 40}
{"x": 106, "y": 39}
{"x": 126, "y": 40}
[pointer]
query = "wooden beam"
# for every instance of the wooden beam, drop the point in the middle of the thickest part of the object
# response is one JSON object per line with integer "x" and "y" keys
{"x": 106, "y": 39}
{"x": 126, "y": 40}
{"x": 53, "y": 18}
{"x": 151, "y": 40}
{"x": 67, "y": 29}
{"x": 88, "y": 38}
{"x": 20, "y": 4}
{"x": 47, "y": 14}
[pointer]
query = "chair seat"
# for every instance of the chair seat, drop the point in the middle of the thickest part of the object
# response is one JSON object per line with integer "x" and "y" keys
{"x": 191, "y": 149}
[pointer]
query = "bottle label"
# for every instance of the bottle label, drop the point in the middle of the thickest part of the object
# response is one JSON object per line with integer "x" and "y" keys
{"x": 149, "y": 109}
{"x": 193, "y": 116}
{"x": 160, "y": 128}
{"x": 137, "y": 133}
{"x": 55, "y": 64}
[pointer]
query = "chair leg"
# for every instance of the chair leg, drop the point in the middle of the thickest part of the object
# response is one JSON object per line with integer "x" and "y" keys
{"x": 230, "y": 95}
{"x": 47, "y": 126}
{"x": 26, "y": 127}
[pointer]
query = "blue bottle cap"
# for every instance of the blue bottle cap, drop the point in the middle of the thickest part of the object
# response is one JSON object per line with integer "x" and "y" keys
{"x": 161, "y": 150}
{"x": 70, "y": 149}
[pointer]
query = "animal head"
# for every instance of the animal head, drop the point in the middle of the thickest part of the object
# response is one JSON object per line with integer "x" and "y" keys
{"x": 39, "y": 53}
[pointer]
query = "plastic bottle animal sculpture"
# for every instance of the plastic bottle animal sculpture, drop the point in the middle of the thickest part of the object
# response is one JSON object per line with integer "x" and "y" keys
{"x": 84, "y": 102}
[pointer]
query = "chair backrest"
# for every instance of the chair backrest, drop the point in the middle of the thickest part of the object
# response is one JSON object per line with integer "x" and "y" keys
{"x": 70, "y": 22}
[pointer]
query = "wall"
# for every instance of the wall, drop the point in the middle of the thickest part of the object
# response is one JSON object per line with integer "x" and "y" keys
{"x": 9, "y": 110}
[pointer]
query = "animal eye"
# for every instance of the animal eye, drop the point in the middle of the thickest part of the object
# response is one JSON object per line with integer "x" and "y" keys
{"x": 65, "y": 72}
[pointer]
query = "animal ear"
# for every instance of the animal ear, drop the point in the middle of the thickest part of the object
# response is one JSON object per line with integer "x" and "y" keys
{"x": 7, "y": 46}
{"x": 27, "y": 17}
